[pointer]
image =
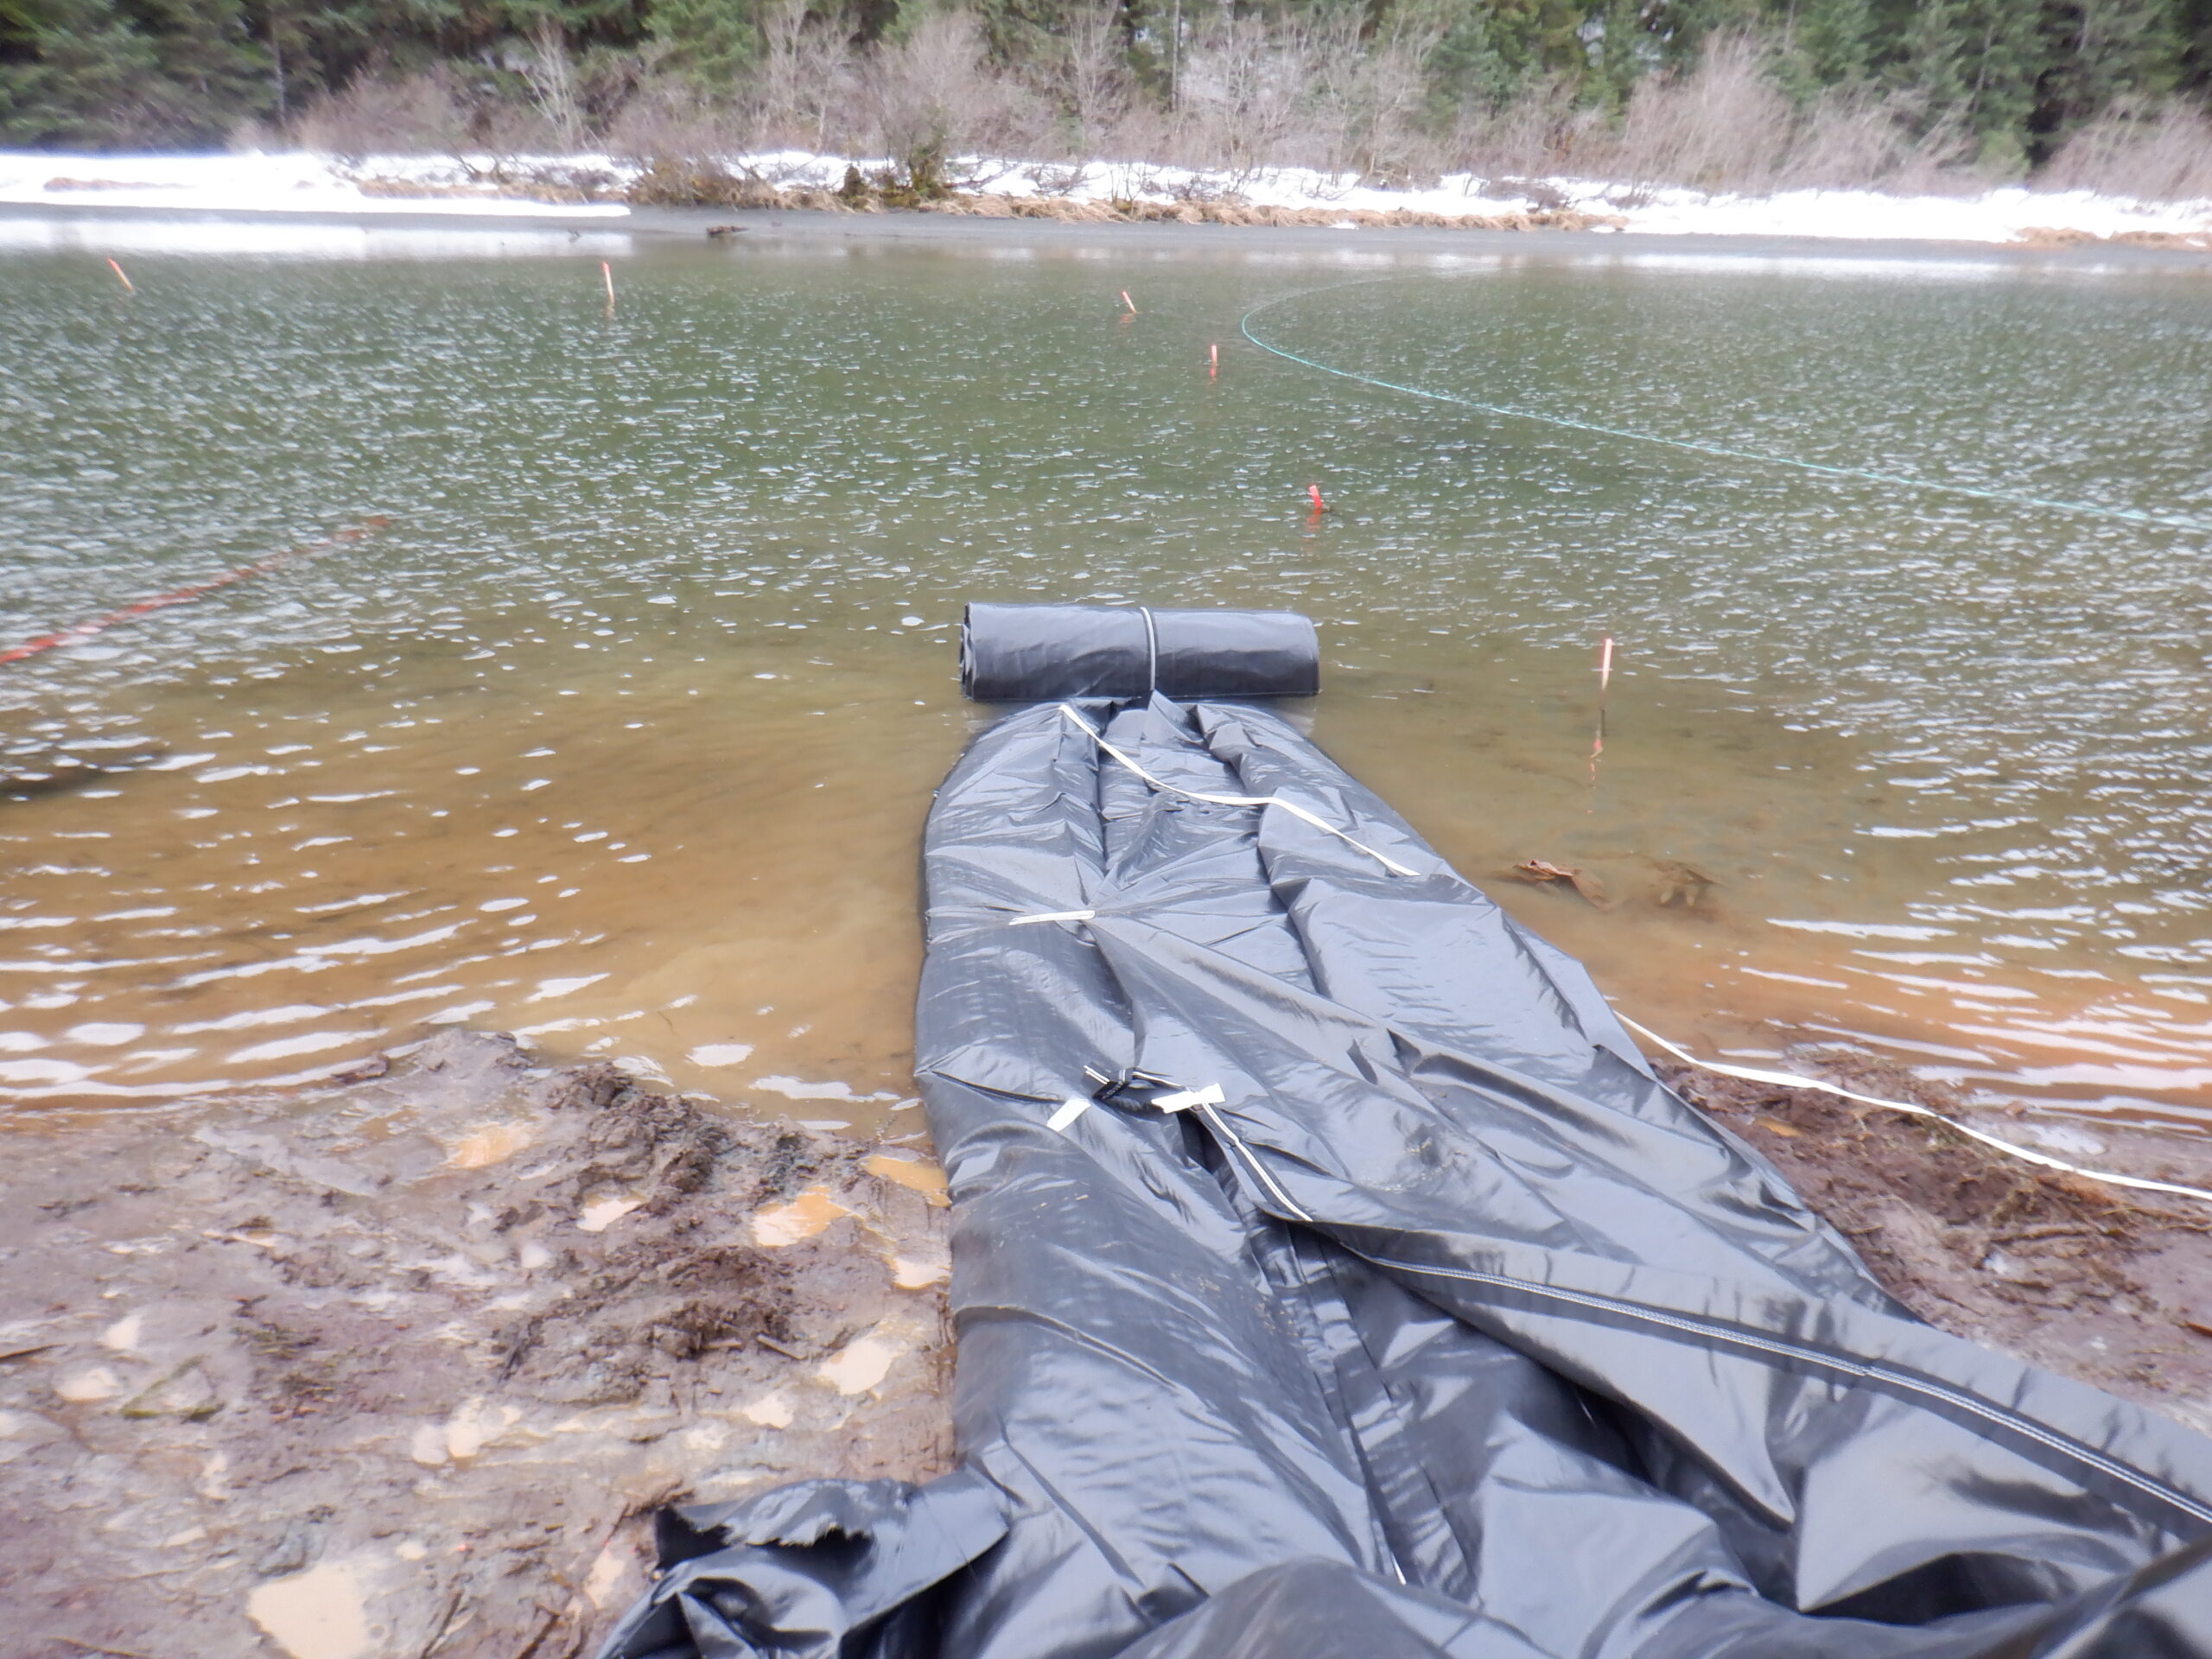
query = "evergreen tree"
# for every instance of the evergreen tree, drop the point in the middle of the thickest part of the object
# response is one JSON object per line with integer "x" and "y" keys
{"x": 2104, "y": 52}
{"x": 1541, "y": 36}
{"x": 709, "y": 42}
{"x": 1466, "y": 68}
{"x": 106, "y": 73}
{"x": 1830, "y": 42}
{"x": 1975, "y": 65}
{"x": 67, "y": 69}
{"x": 2193, "y": 32}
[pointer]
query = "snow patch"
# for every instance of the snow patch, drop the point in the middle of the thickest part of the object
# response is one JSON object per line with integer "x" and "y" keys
{"x": 296, "y": 182}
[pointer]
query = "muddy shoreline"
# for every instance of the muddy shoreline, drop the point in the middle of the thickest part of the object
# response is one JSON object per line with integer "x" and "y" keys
{"x": 2108, "y": 1284}
{"x": 405, "y": 1368}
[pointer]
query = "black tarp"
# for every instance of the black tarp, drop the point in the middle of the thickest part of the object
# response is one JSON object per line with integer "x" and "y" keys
{"x": 1448, "y": 1331}
{"x": 1024, "y": 654}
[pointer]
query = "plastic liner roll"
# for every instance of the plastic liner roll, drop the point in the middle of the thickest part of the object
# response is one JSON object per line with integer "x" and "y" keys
{"x": 1320, "y": 1372}
{"x": 1032, "y": 653}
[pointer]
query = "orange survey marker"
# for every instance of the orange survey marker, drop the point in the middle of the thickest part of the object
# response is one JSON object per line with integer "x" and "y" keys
{"x": 133, "y": 611}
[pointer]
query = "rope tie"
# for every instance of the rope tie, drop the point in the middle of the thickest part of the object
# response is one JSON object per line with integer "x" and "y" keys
{"x": 1291, "y": 807}
{"x": 1913, "y": 1109}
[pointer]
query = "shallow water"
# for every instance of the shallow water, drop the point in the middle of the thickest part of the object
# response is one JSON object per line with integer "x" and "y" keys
{"x": 621, "y": 732}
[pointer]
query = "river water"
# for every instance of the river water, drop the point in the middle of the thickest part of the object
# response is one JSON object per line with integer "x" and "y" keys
{"x": 618, "y": 733}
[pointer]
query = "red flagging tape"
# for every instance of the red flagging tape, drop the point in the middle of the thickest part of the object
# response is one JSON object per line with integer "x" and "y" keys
{"x": 137, "y": 608}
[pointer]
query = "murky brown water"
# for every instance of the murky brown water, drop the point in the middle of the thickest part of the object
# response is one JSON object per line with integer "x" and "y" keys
{"x": 621, "y": 734}
{"x": 671, "y": 865}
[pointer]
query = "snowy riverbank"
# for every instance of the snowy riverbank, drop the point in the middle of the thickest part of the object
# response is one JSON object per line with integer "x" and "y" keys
{"x": 597, "y": 188}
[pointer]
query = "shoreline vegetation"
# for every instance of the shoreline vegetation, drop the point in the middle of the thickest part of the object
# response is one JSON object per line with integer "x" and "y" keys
{"x": 602, "y": 187}
{"x": 1586, "y": 114}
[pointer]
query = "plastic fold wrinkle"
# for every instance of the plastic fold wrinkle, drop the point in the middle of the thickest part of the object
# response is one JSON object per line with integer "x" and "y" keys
{"x": 1439, "y": 1327}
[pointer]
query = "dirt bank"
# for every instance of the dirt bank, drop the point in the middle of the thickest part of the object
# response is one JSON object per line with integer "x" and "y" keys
{"x": 2099, "y": 1282}
{"x": 693, "y": 188}
{"x": 403, "y": 1370}
{"x": 706, "y": 184}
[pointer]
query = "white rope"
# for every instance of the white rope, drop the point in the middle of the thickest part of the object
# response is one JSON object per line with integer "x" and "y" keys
{"x": 1911, "y": 1109}
{"x": 1291, "y": 807}
{"x": 1750, "y": 1074}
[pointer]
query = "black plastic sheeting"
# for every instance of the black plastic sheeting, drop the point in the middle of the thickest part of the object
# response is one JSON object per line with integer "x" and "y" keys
{"x": 1021, "y": 653}
{"x": 1447, "y": 1331}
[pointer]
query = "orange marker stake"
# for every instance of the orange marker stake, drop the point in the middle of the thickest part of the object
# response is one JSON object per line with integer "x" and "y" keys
{"x": 606, "y": 275}
{"x": 1314, "y": 491}
{"x": 1213, "y": 362}
{"x": 120, "y": 277}
{"x": 1126, "y": 301}
{"x": 1605, "y": 664}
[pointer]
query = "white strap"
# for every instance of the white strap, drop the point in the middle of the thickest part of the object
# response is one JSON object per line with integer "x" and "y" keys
{"x": 1184, "y": 1100}
{"x": 1912, "y": 1109}
{"x": 1291, "y": 807}
{"x": 1053, "y": 916}
{"x": 1070, "y": 1109}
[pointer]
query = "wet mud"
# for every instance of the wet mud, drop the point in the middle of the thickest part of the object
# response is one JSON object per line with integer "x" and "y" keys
{"x": 404, "y": 1369}
{"x": 2108, "y": 1284}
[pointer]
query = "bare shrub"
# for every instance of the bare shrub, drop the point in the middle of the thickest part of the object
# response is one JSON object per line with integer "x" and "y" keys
{"x": 553, "y": 85}
{"x": 421, "y": 114}
{"x": 1366, "y": 116}
{"x": 499, "y": 126}
{"x": 1093, "y": 78}
{"x": 1937, "y": 159}
{"x": 1542, "y": 132}
{"x": 932, "y": 95}
{"x": 668, "y": 116}
{"x": 1317, "y": 86}
{"x": 1847, "y": 139}
{"x": 1241, "y": 89}
{"x": 806, "y": 93}
{"x": 2160, "y": 154}
{"x": 1724, "y": 125}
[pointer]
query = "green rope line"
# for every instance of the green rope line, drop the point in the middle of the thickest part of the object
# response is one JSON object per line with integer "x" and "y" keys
{"x": 2127, "y": 515}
